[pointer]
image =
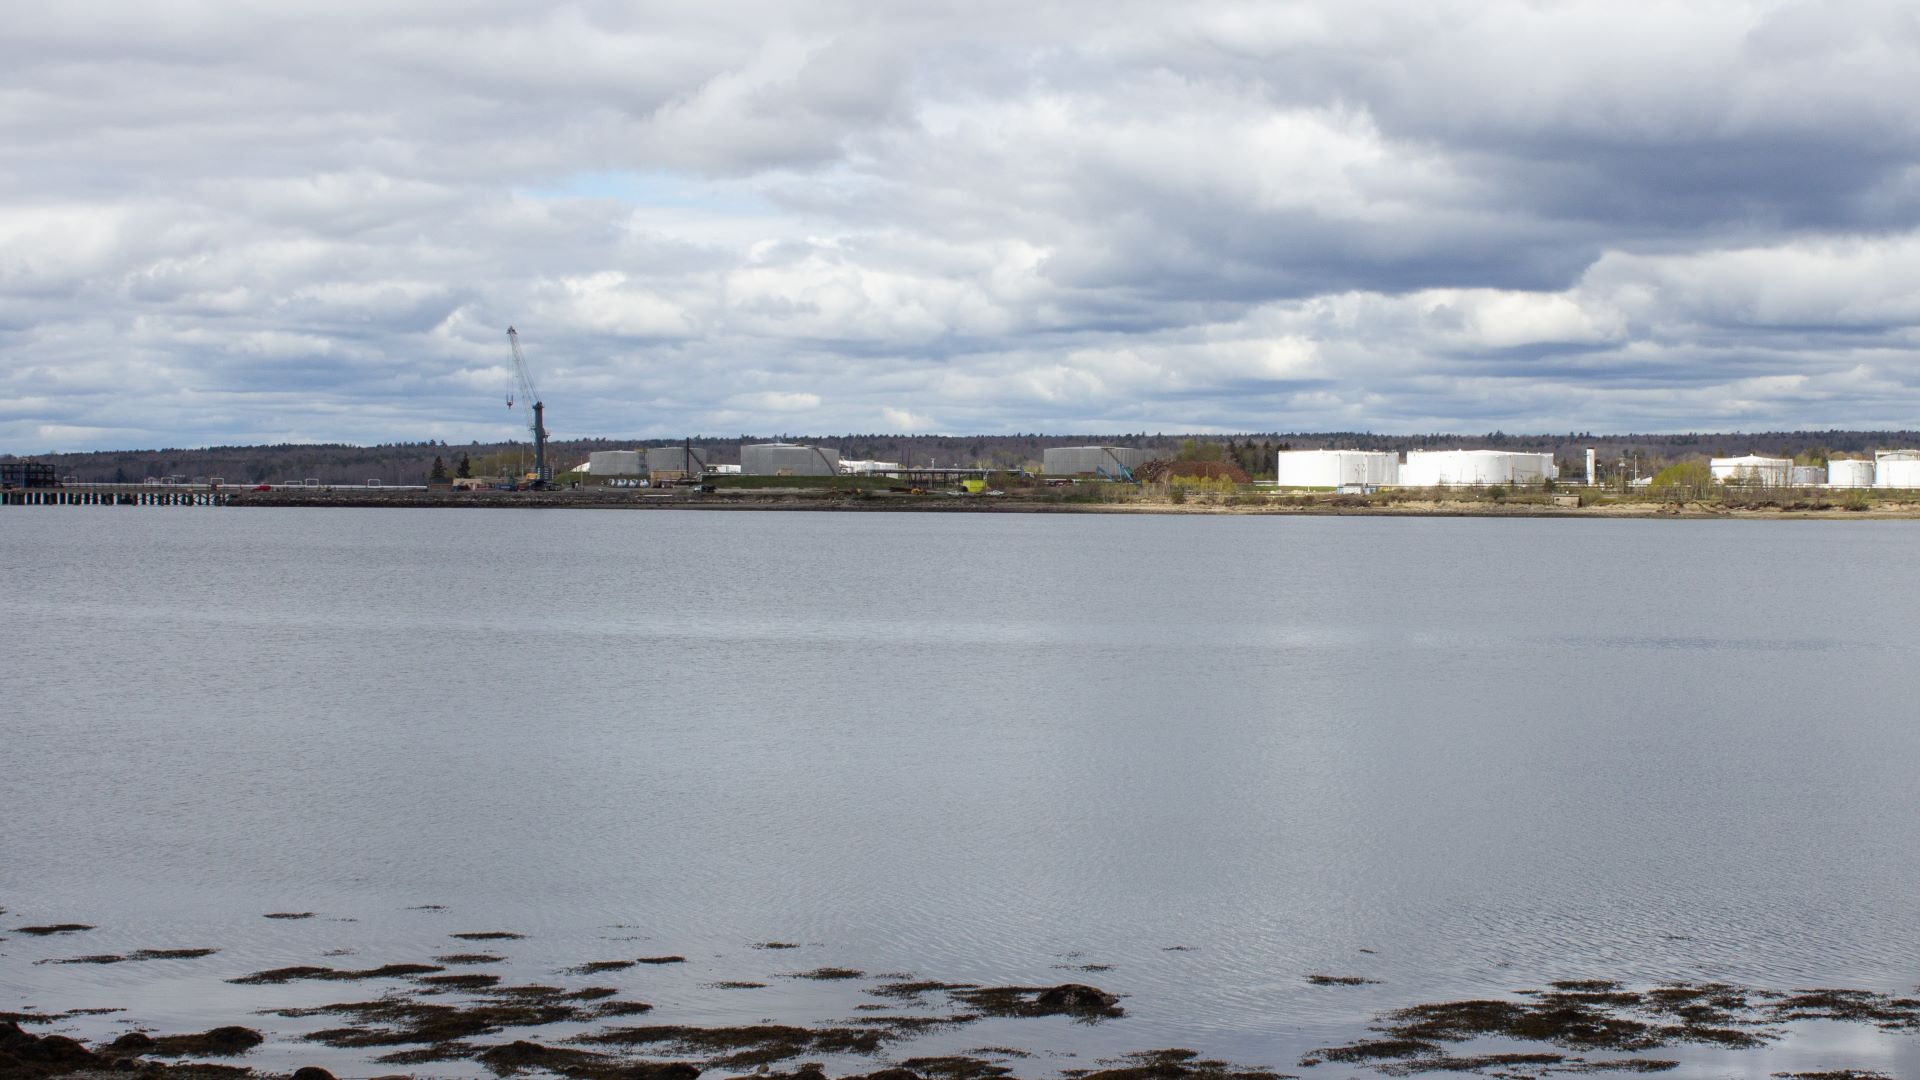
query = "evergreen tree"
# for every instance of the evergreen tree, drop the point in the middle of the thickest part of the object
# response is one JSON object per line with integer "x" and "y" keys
{"x": 465, "y": 469}
{"x": 439, "y": 473}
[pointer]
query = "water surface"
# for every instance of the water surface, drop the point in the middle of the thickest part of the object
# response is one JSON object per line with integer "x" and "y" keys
{"x": 1458, "y": 756}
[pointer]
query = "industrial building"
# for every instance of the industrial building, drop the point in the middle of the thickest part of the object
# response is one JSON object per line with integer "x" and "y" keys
{"x": 1897, "y": 469}
{"x": 1336, "y": 469}
{"x": 1752, "y": 471}
{"x": 1112, "y": 461}
{"x": 1849, "y": 473}
{"x": 788, "y": 459}
{"x": 666, "y": 464}
{"x": 1475, "y": 468}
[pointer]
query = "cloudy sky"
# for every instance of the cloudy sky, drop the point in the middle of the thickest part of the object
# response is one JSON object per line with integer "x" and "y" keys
{"x": 241, "y": 222}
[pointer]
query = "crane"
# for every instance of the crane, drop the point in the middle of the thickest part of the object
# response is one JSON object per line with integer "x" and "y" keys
{"x": 536, "y": 415}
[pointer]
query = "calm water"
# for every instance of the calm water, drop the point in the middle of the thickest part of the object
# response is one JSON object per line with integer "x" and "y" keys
{"x": 975, "y": 748}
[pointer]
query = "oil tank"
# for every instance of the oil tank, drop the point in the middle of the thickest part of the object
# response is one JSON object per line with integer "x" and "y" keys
{"x": 788, "y": 459}
{"x": 1336, "y": 468}
{"x": 1752, "y": 470}
{"x": 1897, "y": 469}
{"x": 1475, "y": 468}
{"x": 1809, "y": 475}
{"x": 1849, "y": 473}
{"x": 676, "y": 462}
{"x": 614, "y": 463}
{"x": 1092, "y": 460}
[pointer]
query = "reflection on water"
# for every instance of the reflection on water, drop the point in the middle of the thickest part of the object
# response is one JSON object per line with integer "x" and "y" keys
{"x": 1457, "y": 757}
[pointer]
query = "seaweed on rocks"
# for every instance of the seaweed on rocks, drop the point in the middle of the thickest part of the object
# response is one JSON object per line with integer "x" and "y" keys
{"x": 776, "y": 945}
{"x": 955, "y": 1067}
{"x": 912, "y": 991}
{"x": 469, "y": 958}
{"x": 25, "y": 1057}
{"x": 488, "y": 935}
{"x": 519, "y": 1056}
{"x": 1884, "y": 1011}
{"x": 1175, "y": 1064}
{"x": 53, "y": 928}
{"x": 826, "y": 974}
{"x": 661, "y": 960}
{"x": 403, "y": 1021}
{"x": 134, "y": 957}
{"x": 1836, "y": 1074}
{"x": 1341, "y": 980}
{"x": 605, "y": 1009}
{"x": 755, "y": 1044}
{"x": 1082, "y": 1002}
{"x": 230, "y": 1041}
{"x": 288, "y": 915}
{"x": 598, "y": 966}
{"x": 305, "y": 973}
{"x": 457, "y": 981}
{"x": 734, "y": 984}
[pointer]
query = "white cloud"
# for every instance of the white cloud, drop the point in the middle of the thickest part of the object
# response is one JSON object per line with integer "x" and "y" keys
{"x": 228, "y": 221}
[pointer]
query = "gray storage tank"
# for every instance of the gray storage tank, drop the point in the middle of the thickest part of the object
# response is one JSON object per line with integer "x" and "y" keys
{"x": 1092, "y": 460}
{"x": 788, "y": 459}
{"x": 665, "y": 463}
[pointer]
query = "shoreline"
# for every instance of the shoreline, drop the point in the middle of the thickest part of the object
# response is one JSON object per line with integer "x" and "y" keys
{"x": 869, "y": 502}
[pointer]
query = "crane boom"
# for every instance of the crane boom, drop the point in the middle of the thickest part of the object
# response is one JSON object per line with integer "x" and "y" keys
{"x": 536, "y": 412}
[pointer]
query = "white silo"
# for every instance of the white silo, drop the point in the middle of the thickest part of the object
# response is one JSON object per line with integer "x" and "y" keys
{"x": 1335, "y": 468}
{"x": 1897, "y": 469}
{"x": 1849, "y": 473}
{"x": 1475, "y": 468}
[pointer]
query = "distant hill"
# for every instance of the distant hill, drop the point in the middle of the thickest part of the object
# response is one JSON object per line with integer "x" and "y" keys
{"x": 408, "y": 463}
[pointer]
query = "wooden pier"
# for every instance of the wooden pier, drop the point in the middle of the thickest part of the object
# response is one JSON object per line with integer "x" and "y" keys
{"x": 115, "y": 495}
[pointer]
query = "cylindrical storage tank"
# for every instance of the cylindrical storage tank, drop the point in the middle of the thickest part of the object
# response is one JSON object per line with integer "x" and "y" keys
{"x": 1849, "y": 473}
{"x": 1336, "y": 468}
{"x": 1092, "y": 460}
{"x": 1752, "y": 471}
{"x": 1474, "y": 468}
{"x": 788, "y": 459}
{"x": 614, "y": 463}
{"x": 1809, "y": 475}
{"x": 1897, "y": 469}
{"x": 675, "y": 462}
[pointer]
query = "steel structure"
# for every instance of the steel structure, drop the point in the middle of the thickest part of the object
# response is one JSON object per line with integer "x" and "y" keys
{"x": 536, "y": 410}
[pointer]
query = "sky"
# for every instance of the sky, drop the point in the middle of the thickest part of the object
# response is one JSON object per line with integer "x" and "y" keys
{"x": 234, "y": 222}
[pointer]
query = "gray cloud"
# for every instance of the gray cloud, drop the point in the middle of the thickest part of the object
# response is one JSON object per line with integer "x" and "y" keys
{"x": 241, "y": 222}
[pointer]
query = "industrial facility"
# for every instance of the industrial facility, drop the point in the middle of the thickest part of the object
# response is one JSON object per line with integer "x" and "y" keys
{"x": 1475, "y": 468}
{"x": 1113, "y": 462}
{"x": 788, "y": 459}
{"x": 1896, "y": 469}
{"x": 1336, "y": 469}
{"x": 669, "y": 463}
{"x": 1849, "y": 473}
{"x": 1752, "y": 470}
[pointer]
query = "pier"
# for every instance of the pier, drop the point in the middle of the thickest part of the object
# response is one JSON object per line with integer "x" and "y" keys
{"x": 115, "y": 495}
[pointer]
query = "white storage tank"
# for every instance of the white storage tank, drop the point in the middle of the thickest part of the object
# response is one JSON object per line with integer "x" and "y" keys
{"x": 1336, "y": 468}
{"x": 1752, "y": 470}
{"x": 1809, "y": 475}
{"x": 1849, "y": 473}
{"x": 1475, "y": 468}
{"x": 1897, "y": 469}
{"x": 1092, "y": 460}
{"x": 788, "y": 459}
